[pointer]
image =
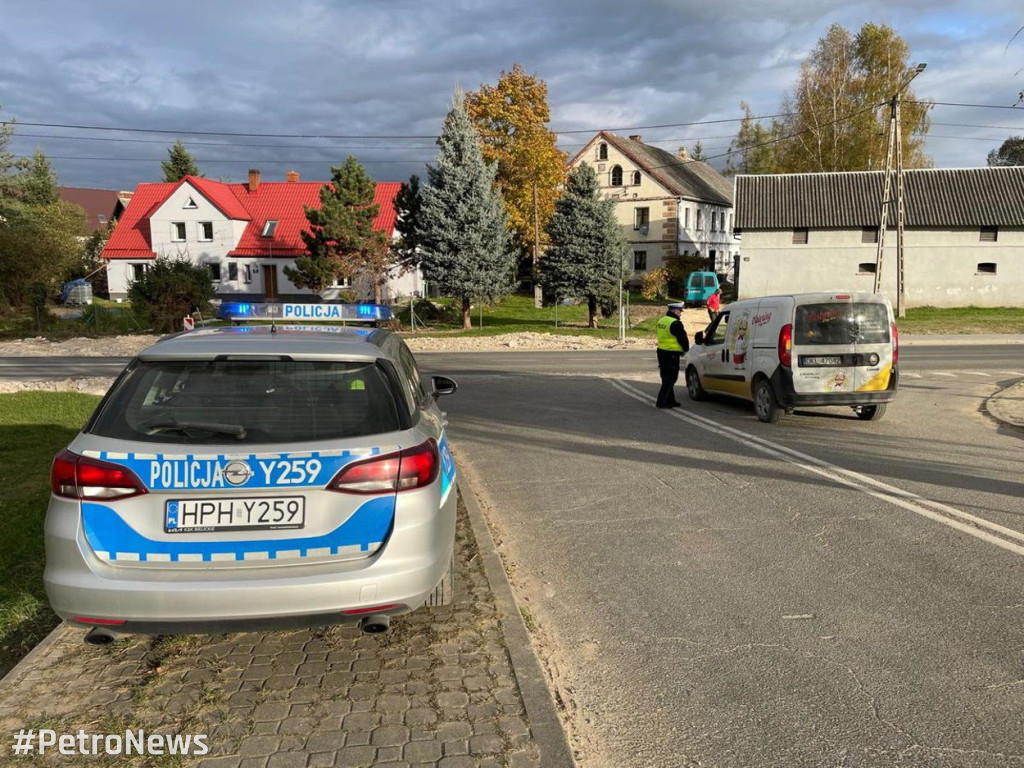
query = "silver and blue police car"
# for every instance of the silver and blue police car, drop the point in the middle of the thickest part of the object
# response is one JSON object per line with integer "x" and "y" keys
{"x": 256, "y": 477}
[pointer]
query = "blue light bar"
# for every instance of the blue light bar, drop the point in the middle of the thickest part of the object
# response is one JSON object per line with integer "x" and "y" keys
{"x": 344, "y": 313}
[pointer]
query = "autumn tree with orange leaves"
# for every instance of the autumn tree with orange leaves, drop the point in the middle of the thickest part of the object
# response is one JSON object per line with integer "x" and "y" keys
{"x": 511, "y": 118}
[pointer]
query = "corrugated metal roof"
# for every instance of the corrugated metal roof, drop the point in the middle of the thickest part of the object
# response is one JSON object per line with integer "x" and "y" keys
{"x": 685, "y": 178}
{"x": 938, "y": 198}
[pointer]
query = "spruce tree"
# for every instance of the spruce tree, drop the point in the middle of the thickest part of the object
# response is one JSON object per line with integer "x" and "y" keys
{"x": 408, "y": 204}
{"x": 588, "y": 248}
{"x": 341, "y": 240}
{"x": 463, "y": 233}
{"x": 179, "y": 164}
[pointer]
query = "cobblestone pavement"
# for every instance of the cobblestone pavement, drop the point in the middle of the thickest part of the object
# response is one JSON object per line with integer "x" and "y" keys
{"x": 437, "y": 690}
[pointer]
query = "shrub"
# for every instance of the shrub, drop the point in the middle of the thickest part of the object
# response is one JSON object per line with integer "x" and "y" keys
{"x": 169, "y": 290}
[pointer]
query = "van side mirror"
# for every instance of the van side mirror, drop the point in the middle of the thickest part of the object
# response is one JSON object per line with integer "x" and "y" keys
{"x": 442, "y": 385}
{"x": 698, "y": 338}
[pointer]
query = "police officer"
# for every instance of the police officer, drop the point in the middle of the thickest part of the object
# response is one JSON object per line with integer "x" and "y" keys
{"x": 672, "y": 343}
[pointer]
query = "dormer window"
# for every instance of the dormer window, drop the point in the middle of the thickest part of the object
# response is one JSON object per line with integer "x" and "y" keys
{"x": 602, "y": 151}
{"x": 190, "y": 203}
{"x": 617, "y": 176}
{"x": 268, "y": 228}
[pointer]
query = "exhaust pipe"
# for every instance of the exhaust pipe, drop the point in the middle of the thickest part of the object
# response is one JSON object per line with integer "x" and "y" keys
{"x": 100, "y": 636}
{"x": 375, "y": 623}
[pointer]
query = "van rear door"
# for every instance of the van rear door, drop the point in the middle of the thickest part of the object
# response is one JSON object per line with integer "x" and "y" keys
{"x": 841, "y": 345}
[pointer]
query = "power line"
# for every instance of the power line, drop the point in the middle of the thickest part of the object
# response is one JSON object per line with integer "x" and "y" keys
{"x": 352, "y": 136}
{"x": 955, "y": 104}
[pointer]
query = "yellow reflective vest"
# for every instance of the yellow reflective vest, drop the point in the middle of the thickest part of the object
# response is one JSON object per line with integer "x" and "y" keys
{"x": 666, "y": 340}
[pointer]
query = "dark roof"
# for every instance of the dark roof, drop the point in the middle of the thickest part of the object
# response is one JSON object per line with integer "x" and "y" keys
{"x": 943, "y": 198}
{"x": 97, "y": 203}
{"x": 685, "y": 178}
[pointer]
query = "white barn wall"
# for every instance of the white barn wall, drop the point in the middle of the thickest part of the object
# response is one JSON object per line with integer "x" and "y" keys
{"x": 940, "y": 266}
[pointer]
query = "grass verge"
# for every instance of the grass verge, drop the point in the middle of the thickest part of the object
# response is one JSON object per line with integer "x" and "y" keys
{"x": 33, "y": 427}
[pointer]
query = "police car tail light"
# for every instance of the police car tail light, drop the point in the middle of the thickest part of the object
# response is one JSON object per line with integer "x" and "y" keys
{"x": 786, "y": 346}
{"x": 895, "y": 344}
{"x": 80, "y": 477}
{"x": 412, "y": 468}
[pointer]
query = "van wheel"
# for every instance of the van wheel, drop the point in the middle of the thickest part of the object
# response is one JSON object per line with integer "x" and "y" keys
{"x": 766, "y": 406}
{"x": 693, "y": 386}
{"x": 444, "y": 592}
{"x": 870, "y": 412}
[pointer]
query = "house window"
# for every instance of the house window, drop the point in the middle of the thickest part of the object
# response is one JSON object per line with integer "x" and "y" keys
{"x": 214, "y": 271}
{"x": 177, "y": 231}
{"x": 800, "y": 236}
{"x": 640, "y": 260}
{"x": 138, "y": 271}
{"x": 190, "y": 203}
{"x": 602, "y": 151}
{"x": 642, "y": 219}
{"x": 730, "y": 223}
{"x": 866, "y": 267}
{"x": 248, "y": 273}
{"x": 342, "y": 282}
{"x": 636, "y": 178}
{"x": 869, "y": 235}
{"x": 686, "y": 218}
{"x": 700, "y": 219}
{"x": 714, "y": 221}
{"x": 268, "y": 228}
{"x": 989, "y": 234}
{"x": 986, "y": 268}
{"x": 617, "y": 176}
{"x": 101, "y": 218}
{"x": 205, "y": 231}
{"x": 232, "y": 271}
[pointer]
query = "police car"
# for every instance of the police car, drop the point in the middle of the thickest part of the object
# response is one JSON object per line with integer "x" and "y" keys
{"x": 255, "y": 477}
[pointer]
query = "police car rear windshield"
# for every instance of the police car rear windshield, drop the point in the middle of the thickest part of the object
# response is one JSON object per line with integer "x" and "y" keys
{"x": 834, "y": 323}
{"x": 240, "y": 402}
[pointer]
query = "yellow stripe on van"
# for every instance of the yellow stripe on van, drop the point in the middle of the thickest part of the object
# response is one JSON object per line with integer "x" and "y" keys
{"x": 877, "y": 382}
{"x": 729, "y": 386}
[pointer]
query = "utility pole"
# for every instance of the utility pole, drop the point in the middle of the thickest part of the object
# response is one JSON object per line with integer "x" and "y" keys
{"x": 894, "y": 146}
{"x": 538, "y": 296}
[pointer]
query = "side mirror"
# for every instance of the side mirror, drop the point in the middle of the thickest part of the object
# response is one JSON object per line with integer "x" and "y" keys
{"x": 443, "y": 386}
{"x": 698, "y": 337}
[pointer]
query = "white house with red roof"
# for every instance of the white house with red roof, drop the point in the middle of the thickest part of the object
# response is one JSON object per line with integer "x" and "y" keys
{"x": 245, "y": 234}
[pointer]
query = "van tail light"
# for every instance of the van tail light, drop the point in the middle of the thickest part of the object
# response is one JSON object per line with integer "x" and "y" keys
{"x": 786, "y": 346}
{"x": 406, "y": 470}
{"x": 895, "y": 344}
{"x": 80, "y": 477}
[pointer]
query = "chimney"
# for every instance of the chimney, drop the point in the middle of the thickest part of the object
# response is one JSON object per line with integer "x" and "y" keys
{"x": 292, "y": 176}
{"x": 254, "y": 179}
{"x": 682, "y": 154}
{"x": 636, "y": 137}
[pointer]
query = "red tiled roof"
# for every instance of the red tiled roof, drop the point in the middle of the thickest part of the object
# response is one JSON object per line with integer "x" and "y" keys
{"x": 96, "y": 203}
{"x": 272, "y": 201}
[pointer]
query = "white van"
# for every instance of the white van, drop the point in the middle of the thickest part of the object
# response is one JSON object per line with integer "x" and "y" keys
{"x": 805, "y": 349}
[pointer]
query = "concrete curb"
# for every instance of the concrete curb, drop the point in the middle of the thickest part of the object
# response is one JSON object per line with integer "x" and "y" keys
{"x": 533, "y": 687}
{"x": 1007, "y": 405}
{"x": 23, "y": 667}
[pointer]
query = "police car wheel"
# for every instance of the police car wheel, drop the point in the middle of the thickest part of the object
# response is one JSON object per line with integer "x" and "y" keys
{"x": 870, "y": 412}
{"x": 765, "y": 405}
{"x": 693, "y": 386}
{"x": 444, "y": 592}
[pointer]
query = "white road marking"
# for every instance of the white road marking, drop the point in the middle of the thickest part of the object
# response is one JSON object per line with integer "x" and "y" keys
{"x": 965, "y": 522}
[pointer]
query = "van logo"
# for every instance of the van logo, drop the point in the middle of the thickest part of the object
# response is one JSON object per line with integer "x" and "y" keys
{"x": 237, "y": 473}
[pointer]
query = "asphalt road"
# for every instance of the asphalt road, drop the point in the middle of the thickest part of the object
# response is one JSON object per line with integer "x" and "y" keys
{"x": 708, "y": 590}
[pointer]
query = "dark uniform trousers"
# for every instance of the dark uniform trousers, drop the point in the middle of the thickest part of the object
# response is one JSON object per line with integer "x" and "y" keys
{"x": 668, "y": 367}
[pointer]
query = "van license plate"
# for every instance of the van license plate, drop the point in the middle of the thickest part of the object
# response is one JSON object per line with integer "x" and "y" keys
{"x": 821, "y": 360}
{"x": 253, "y": 513}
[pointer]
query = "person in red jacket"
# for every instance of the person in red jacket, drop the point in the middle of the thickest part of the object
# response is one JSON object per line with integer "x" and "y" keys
{"x": 714, "y": 304}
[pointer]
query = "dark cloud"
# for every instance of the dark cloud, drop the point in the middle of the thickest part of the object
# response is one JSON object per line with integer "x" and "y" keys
{"x": 369, "y": 68}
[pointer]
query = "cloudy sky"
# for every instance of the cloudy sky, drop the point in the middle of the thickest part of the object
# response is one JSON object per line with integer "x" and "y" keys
{"x": 308, "y": 83}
